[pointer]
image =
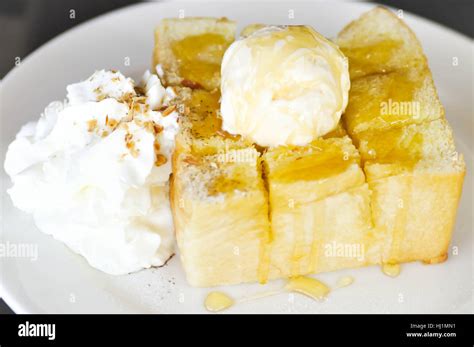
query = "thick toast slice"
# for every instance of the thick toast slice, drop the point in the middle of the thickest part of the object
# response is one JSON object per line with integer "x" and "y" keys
{"x": 214, "y": 173}
{"x": 328, "y": 205}
{"x": 201, "y": 125}
{"x": 219, "y": 202}
{"x": 396, "y": 120}
{"x": 220, "y": 211}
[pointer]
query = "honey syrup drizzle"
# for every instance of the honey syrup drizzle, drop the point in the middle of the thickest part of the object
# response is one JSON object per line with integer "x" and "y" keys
{"x": 264, "y": 257}
{"x": 309, "y": 227}
{"x": 316, "y": 242}
{"x": 369, "y": 59}
{"x": 391, "y": 270}
{"x": 298, "y": 242}
{"x": 310, "y": 287}
{"x": 199, "y": 58}
{"x": 218, "y": 301}
{"x": 400, "y": 221}
{"x": 344, "y": 281}
{"x": 374, "y": 60}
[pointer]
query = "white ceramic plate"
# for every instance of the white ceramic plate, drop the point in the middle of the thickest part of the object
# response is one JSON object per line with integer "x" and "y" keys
{"x": 60, "y": 281}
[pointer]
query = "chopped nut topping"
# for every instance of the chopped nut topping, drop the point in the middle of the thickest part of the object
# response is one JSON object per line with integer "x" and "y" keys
{"x": 169, "y": 110}
{"x": 160, "y": 160}
{"x": 157, "y": 128}
{"x": 123, "y": 125}
{"x": 185, "y": 110}
{"x": 127, "y": 98}
{"x": 191, "y": 160}
{"x": 91, "y": 125}
{"x": 112, "y": 123}
{"x": 134, "y": 152}
{"x": 135, "y": 108}
{"x": 131, "y": 145}
{"x": 100, "y": 95}
{"x": 156, "y": 146}
{"x": 140, "y": 91}
{"x": 148, "y": 125}
{"x": 140, "y": 99}
{"x": 190, "y": 84}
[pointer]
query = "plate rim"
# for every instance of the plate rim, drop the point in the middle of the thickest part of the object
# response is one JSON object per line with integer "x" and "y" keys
{"x": 15, "y": 302}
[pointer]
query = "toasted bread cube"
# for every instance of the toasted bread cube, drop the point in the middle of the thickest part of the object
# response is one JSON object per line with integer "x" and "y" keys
{"x": 323, "y": 235}
{"x": 379, "y": 42}
{"x": 220, "y": 211}
{"x": 394, "y": 99}
{"x": 319, "y": 203}
{"x": 191, "y": 50}
{"x": 312, "y": 172}
{"x": 391, "y": 83}
{"x": 416, "y": 178}
{"x": 201, "y": 125}
{"x": 416, "y": 213}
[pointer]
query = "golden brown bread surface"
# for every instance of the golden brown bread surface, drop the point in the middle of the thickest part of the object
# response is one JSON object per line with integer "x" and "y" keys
{"x": 383, "y": 187}
{"x": 391, "y": 83}
{"x": 191, "y": 49}
{"x": 380, "y": 42}
{"x": 392, "y": 99}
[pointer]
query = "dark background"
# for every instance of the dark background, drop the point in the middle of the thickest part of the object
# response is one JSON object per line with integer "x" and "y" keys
{"x": 27, "y": 24}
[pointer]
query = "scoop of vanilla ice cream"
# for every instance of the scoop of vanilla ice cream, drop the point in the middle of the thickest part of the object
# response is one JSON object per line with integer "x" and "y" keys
{"x": 88, "y": 172}
{"x": 283, "y": 86}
